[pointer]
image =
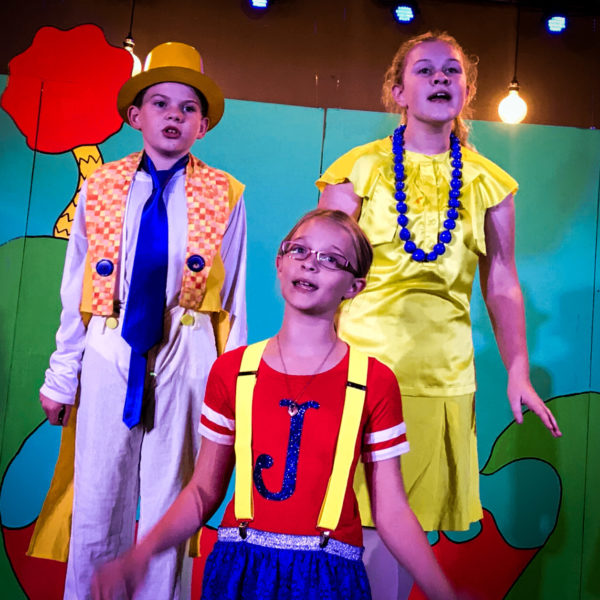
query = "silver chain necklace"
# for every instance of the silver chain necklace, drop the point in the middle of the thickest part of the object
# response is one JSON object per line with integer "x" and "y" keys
{"x": 293, "y": 408}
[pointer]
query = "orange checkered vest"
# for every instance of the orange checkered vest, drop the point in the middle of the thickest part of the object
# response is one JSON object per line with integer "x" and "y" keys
{"x": 207, "y": 192}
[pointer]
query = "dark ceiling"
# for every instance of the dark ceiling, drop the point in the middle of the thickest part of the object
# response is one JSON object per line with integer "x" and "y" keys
{"x": 333, "y": 53}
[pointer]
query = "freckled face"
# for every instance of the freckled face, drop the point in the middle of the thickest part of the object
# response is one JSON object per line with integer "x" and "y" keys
{"x": 434, "y": 87}
{"x": 170, "y": 120}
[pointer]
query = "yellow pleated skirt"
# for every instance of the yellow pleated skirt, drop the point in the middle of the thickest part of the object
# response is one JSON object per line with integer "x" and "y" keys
{"x": 441, "y": 471}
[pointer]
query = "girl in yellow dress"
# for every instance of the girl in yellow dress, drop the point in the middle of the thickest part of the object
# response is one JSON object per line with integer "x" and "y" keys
{"x": 434, "y": 209}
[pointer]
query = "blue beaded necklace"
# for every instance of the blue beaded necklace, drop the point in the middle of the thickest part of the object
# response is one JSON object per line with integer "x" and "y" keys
{"x": 445, "y": 236}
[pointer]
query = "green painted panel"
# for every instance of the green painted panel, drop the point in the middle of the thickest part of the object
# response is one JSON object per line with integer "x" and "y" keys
{"x": 524, "y": 497}
{"x": 555, "y": 570}
{"x": 590, "y": 575}
{"x": 11, "y": 256}
{"x": 37, "y": 321}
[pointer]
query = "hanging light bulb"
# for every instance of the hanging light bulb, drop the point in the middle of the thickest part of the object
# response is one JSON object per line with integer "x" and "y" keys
{"x": 129, "y": 45}
{"x": 512, "y": 109}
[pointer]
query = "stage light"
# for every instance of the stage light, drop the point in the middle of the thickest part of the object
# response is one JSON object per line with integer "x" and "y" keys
{"x": 404, "y": 13}
{"x": 256, "y": 9}
{"x": 556, "y": 23}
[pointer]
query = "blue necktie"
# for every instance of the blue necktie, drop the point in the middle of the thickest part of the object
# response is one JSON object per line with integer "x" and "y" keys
{"x": 144, "y": 313}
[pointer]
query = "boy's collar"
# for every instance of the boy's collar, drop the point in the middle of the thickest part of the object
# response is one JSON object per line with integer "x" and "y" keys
{"x": 147, "y": 165}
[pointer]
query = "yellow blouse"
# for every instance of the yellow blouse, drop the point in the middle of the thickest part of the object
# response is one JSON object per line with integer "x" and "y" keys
{"x": 413, "y": 316}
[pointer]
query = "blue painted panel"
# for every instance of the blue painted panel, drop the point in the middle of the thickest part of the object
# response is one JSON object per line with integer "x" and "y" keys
{"x": 595, "y": 363}
{"x": 16, "y": 163}
{"x": 275, "y": 150}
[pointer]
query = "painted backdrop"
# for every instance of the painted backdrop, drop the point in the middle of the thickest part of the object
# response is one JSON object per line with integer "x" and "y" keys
{"x": 540, "y": 537}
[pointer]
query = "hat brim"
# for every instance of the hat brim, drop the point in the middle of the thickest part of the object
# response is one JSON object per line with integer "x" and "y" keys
{"x": 211, "y": 91}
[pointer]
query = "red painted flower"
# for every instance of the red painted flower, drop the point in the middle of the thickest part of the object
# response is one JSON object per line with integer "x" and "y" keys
{"x": 62, "y": 91}
{"x": 485, "y": 567}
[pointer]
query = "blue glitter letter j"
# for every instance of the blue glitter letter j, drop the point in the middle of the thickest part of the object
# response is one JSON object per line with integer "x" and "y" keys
{"x": 264, "y": 461}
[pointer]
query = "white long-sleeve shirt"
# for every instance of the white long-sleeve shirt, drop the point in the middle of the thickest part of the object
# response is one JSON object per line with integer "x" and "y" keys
{"x": 61, "y": 380}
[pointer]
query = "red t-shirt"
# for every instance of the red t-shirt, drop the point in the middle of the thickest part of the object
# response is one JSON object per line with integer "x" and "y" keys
{"x": 383, "y": 435}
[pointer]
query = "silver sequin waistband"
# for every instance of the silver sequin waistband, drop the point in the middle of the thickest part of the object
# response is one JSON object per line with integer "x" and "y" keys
{"x": 285, "y": 541}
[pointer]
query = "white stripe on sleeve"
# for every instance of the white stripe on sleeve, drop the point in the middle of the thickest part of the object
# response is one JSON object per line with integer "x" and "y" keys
{"x": 396, "y": 450}
{"x": 219, "y": 438}
{"x": 217, "y": 418}
{"x": 385, "y": 434}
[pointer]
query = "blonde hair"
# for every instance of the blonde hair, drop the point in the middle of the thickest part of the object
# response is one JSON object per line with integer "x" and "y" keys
{"x": 395, "y": 74}
{"x": 362, "y": 248}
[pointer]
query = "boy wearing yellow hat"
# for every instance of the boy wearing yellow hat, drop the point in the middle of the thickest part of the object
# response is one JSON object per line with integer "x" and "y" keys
{"x": 156, "y": 262}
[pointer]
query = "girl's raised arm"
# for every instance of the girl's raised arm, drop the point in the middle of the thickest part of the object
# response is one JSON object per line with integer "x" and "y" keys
{"x": 194, "y": 505}
{"x": 400, "y": 530}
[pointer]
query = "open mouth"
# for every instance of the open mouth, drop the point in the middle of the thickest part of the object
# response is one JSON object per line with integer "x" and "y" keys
{"x": 440, "y": 97}
{"x": 302, "y": 284}
{"x": 171, "y": 132}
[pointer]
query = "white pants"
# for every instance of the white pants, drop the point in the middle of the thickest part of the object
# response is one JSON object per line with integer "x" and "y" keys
{"x": 388, "y": 579}
{"x": 114, "y": 466}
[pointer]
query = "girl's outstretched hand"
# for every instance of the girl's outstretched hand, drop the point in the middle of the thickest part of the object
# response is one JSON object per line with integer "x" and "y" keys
{"x": 118, "y": 579}
{"x": 522, "y": 393}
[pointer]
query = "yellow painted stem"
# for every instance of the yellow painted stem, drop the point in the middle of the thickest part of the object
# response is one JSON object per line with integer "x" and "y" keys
{"x": 88, "y": 159}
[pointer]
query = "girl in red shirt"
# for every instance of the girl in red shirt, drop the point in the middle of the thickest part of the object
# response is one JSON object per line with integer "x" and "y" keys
{"x": 292, "y": 529}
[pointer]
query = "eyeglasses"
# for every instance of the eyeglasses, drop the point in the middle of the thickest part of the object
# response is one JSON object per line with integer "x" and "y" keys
{"x": 328, "y": 260}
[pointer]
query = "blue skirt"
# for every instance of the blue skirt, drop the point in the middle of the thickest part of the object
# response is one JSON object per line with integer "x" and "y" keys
{"x": 243, "y": 570}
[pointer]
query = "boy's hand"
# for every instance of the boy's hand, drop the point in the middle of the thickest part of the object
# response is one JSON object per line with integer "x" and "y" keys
{"x": 57, "y": 413}
{"x": 118, "y": 579}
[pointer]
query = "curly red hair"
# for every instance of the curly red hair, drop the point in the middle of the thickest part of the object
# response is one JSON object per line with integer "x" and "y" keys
{"x": 395, "y": 73}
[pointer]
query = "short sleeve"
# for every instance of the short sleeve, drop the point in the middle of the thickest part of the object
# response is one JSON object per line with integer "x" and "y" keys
{"x": 384, "y": 434}
{"x": 491, "y": 183}
{"x": 486, "y": 186}
{"x": 338, "y": 171}
{"x": 360, "y": 166}
{"x": 217, "y": 419}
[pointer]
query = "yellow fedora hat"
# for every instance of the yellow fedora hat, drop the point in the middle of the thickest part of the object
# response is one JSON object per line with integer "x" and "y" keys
{"x": 176, "y": 62}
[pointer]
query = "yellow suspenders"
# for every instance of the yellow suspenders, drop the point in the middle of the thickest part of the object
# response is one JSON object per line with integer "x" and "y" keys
{"x": 244, "y": 509}
{"x": 344, "y": 454}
